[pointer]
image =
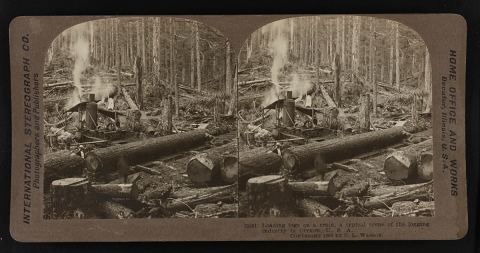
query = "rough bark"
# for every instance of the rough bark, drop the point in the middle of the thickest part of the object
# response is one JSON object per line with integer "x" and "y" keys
{"x": 387, "y": 200}
{"x": 302, "y": 157}
{"x": 216, "y": 210}
{"x": 225, "y": 194}
{"x": 116, "y": 190}
{"x": 321, "y": 188}
{"x": 384, "y": 190}
{"x": 105, "y": 159}
{"x": 364, "y": 113}
{"x": 308, "y": 207}
{"x": 269, "y": 196}
{"x": 112, "y": 210}
{"x": 248, "y": 164}
{"x": 341, "y": 115}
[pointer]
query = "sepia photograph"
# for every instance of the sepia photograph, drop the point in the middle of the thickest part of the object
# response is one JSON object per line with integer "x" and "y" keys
{"x": 139, "y": 113}
{"x": 335, "y": 120}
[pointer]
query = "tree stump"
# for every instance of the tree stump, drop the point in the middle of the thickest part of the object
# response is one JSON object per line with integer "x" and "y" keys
{"x": 401, "y": 166}
{"x": 269, "y": 196}
{"x": 69, "y": 195}
{"x": 425, "y": 170}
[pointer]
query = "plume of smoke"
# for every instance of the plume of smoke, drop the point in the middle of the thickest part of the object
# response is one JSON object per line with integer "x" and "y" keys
{"x": 102, "y": 90}
{"x": 278, "y": 48}
{"x": 80, "y": 51}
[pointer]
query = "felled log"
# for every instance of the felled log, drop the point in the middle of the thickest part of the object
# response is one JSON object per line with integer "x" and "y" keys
{"x": 302, "y": 157}
{"x": 147, "y": 170}
{"x": 425, "y": 170}
{"x": 116, "y": 190}
{"x": 216, "y": 210}
{"x": 205, "y": 167}
{"x": 248, "y": 164}
{"x": 53, "y": 85}
{"x": 68, "y": 195}
{"x": 105, "y": 159}
{"x": 344, "y": 167}
{"x": 341, "y": 115}
{"x": 61, "y": 164}
{"x": 225, "y": 194}
{"x": 409, "y": 195}
{"x": 413, "y": 208}
{"x": 358, "y": 189}
{"x": 269, "y": 196}
{"x": 110, "y": 209}
{"x": 383, "y": 190}
{"x": 308, "y": 207}
{"x": 401, "y": 165}
{"x": 320, "y": 188}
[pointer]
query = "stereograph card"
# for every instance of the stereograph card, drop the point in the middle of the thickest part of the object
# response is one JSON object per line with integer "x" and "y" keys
{"x": 213, "y": 128}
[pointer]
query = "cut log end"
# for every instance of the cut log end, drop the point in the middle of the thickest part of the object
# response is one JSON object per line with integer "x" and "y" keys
{"x": 230, "y": 169}
{"x": 400, "y": 166}
{"x": 289, "y": 160}
{"x": 425, "y": 171}
{"x": 199, "y": 171}
{"x": 93, "y": 162}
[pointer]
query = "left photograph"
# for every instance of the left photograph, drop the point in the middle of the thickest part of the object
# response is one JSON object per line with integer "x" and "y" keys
{"x": 139, "y": 116}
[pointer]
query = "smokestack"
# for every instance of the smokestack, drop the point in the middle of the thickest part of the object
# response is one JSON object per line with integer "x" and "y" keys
{"x": 289, "y": 110}
{"x": 91, "y": 111}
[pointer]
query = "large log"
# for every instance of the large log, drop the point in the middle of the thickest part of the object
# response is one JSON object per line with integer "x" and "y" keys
{"x": 401, "y": 165}
{"x": 320, "y": 188}
{"x": 248, "y": 164}
{"x": 383, "y": 190}
{"x": 225, "y": 194}
{"x": 216, "y": 210}
{"x": 61, "y": 164}
{"x": 424, "y": 193}
{"x": 413, "y": 208}
{"x": 116, "y": 190}
{"x": 205, "y": 167}
{"x": 105, "y": 160}
{"x": 112, "y": 210}
{"x": 302, "y": 157}
{"x": 269, "y": 196}
{"x": 311, "y": 208}
{"x": 341, "y": 115}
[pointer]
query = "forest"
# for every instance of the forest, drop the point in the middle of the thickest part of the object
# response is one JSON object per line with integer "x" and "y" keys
{"x": 130, "y": 107}
{"x": 334, "y": 119}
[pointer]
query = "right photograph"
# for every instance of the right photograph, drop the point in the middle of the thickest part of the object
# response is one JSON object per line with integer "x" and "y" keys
{"x": 334, "y": 117}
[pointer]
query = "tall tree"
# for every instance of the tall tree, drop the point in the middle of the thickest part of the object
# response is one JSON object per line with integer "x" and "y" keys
{"x": 397, "y": 58}
{"x": 228, "y": 74}
{"x": 192, "y": 57}
{"x": 428, "y": 80}
{"x": 117, "y": 47}
{"x": 197, "y": 49}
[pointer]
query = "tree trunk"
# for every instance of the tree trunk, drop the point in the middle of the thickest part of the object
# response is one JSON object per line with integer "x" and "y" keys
{"x": 197, "y": 49}
{"x": 373, "y": 66}
{"x": 117, "y": 47}
{"x": 341, "y": 115}
{"x": 413, "y": 208}
{"x": 311, "y": 208}
{"x": 144, "y": 56}
{"x": 226, "y": 194}
{"x": 317, "y": 62}
{"x": 174, "y": 72}
{"x": 387, "y": 200}
{"x": 385, "y": 190}
{"x": 116, "y": 190}
{"x": 216, "y": 211}
{"x": 343, "y": 42}
{"x": 61, "y": 164}
{"x": 364, "y": 113}
{"x": 248, "y": 164}
{"x": 69, "y": 195}
{"x": 397, "y": 58}
{"x": 321, "y": 188}
{"x": 302, "y": 157}
{"x": 428, "y": 81}
{"x": 112, "y": 210}
{"x": 192, "y": 60}
{"x": 401, "y": 165}
{"x": 269, "y": 196}
{"x": 138, "y": 79}
{"x": 228, "y": 74}
{"x": 104, "y": 160}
